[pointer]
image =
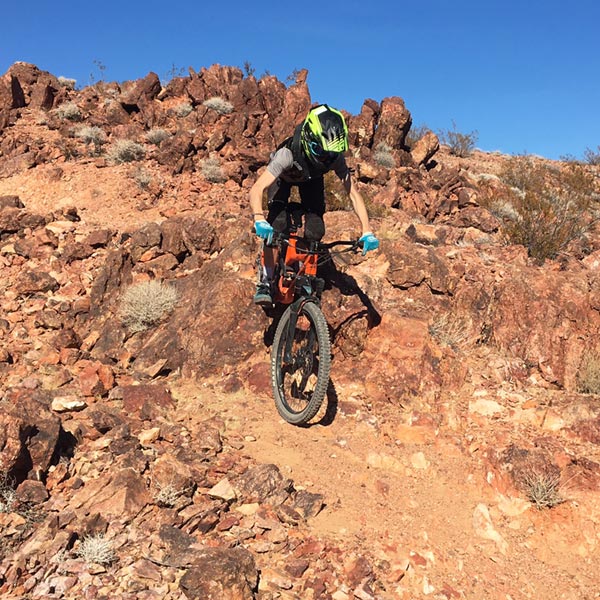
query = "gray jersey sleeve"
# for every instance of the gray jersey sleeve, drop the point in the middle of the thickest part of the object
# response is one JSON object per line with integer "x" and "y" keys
{"x": 281, "y": 161}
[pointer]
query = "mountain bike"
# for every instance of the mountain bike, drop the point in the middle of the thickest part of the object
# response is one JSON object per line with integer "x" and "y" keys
{"x": 301, "y": 353}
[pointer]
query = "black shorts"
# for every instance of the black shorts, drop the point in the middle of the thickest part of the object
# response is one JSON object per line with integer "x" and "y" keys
{"x": 312, "y": 203}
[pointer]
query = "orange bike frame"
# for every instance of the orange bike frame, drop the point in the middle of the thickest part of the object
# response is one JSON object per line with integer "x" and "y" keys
{"x": 298, "y": 261}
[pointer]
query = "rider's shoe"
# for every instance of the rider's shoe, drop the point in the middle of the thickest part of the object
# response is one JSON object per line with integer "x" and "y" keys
{"x": 263, "y": 295}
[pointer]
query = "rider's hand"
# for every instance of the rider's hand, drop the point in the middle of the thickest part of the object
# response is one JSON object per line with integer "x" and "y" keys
{"x": 369, "y": 242}
{"x": 264, "y": 230}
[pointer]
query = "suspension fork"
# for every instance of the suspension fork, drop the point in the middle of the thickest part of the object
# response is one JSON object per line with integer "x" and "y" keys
{"x": 295, "y": 309}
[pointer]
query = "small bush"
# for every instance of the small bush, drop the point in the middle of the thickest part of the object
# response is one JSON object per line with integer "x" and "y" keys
{"x": 143, "y": 179}
{"x": 460, "y": 144}
{"x": 156, "y": 136}
{"x": 592, "y": 157}
{"x": 123, "y": 151}
{"x": 67, "y": 82}
{"x": 92, "y": 135}
{"x": 146, "y": 303}
{"x": 183, "y": 109}
{"x": 543, "y": 490}
{"x": 96, "y": 549}
{"x": 552, "y": 206}
{"x": 383, "y": 156}
{"x": 218, "y": 104}
{"x": 588, "y": 376}
{"x": 69, "y": 111}
{"x": 211, "y": 170}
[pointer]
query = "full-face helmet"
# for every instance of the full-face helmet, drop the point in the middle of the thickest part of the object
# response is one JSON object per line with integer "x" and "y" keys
{"x": 324, "y": 134}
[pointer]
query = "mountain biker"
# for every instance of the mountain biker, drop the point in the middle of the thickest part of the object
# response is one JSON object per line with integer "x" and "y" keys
{"x": 315, "y": 148}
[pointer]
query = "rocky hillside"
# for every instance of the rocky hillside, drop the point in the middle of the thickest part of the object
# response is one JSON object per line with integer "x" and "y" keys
{"x": 458, "y": 454}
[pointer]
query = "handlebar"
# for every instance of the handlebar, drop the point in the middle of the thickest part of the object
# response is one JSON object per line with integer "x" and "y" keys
{"x": 353, "y": 244}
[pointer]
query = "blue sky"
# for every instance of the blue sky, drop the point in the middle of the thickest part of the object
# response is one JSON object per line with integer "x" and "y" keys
{"x": 524, "y": 74}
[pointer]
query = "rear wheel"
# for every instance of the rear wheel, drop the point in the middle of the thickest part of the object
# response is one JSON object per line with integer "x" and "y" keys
{"x": 300, "y": 383}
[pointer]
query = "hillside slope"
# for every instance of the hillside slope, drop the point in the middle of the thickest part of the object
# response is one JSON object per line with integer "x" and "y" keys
{"x": 455, "y": 383}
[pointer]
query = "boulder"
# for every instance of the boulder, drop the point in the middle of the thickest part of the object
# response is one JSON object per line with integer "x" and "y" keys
{"x": 221, "y": 574}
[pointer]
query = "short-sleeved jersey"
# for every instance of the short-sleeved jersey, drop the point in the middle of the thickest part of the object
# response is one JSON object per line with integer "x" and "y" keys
{"x": 282, "y": 165}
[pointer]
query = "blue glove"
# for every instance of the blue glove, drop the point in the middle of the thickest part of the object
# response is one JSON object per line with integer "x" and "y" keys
{"x": 369, "y": 242}
{"x": 264, "y": 230}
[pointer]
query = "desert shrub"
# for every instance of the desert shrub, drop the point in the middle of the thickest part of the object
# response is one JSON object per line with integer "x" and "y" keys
{"x": 588, "y": 376}
{"x": 123, "y": 151}
{"x": 92, "y": 135}
{"x": 156, "y": 136}
{"x": 592, "y": 157}
{"x": 211, "y": 170}
{"x": 143, "y": 178}
{"x": 552, "y": 206}
{"x": 451, "y": 329}
{"x": 543, "y": 490}
{"x": 67, "y": 82}
{"x": 218, "y": 104}
{"x": 8, "y": 495}
{"x": 415, "y": 134}
{"x": 183, "y": 109}
{"x": 145, "y": 304}
{"x": 460, "y": 144}
{"x": 96, "y": 549}
{"x": 383, "y": 156}
{"x": 69, "y": 111}
{"x": 249, "y": 69}
{"x": 167, "y": 495}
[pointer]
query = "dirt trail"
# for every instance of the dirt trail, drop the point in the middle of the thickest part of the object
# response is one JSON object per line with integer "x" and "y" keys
{"x": 421, "y": 504}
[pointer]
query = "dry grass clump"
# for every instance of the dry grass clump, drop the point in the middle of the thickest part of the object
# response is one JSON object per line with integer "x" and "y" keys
{"x": 124, "y": 151}
{"x": 183, "y": 109}
{"x": 451, "y": 329}
{"x": 167, "y": 495}
{"x": 69, "y": 111}
{"x": 8, "y": 496}
{"x": 218, "y": 104}
{"x": 92, "y": 135}
{"x": 96, "y": 549}
{"x": 543, "y": 490}
{"x": 145, "y": 304}
{"x": 211, "y": 170}
{"x": 156, "y": 136}
{"x": 383, "y": 156}
{"x": 67, "y": 82}
{"x": 143, "y": 178}
{"x": 588, "y": 376}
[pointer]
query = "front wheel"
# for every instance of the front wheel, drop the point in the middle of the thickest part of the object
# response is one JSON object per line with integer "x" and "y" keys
{"x": 300, "y": 379}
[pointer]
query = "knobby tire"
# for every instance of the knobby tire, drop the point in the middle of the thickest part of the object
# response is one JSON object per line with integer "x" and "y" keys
{"x": 300, "y": 387}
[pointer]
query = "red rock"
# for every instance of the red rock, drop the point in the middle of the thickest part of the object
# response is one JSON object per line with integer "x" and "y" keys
{"x": 146, "y": 401}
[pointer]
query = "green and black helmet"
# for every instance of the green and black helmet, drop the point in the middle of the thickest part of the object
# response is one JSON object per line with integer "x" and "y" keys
{"x": 324, "y": 134}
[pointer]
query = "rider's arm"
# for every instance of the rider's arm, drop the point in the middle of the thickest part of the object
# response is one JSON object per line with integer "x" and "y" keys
{"x": 358, "y": 204}
{"x": 256, "y": 194}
